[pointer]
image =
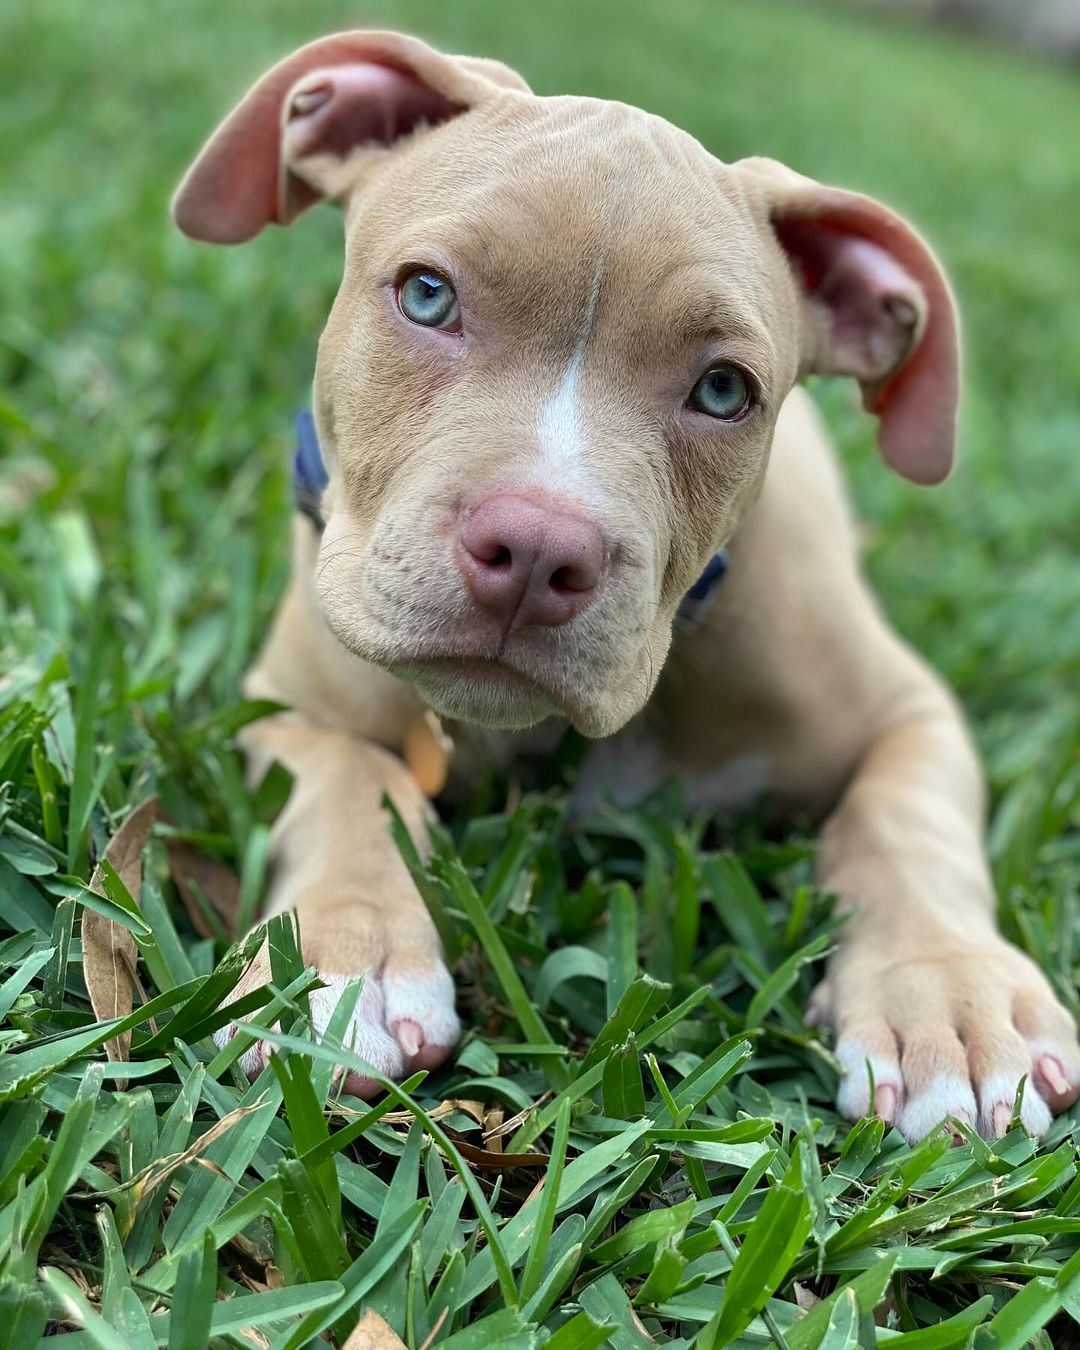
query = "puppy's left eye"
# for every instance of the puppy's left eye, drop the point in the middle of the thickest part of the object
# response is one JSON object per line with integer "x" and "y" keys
{"x": 723, "y": 392}
{"x": 427, "y": 298}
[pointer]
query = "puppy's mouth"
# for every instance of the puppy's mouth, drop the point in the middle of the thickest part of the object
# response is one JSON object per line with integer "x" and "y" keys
{"x": 596, "y": 671}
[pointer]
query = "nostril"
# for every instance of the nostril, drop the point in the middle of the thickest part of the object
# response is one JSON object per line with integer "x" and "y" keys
{"x": 571, "y": 580}
{"x": 528, "y": 563}
{"x": 489, "y": 552}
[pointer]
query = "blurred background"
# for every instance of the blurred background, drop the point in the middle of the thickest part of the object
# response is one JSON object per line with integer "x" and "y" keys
{"x": 1049, "y": 26}
{"x": 148, "y": 382}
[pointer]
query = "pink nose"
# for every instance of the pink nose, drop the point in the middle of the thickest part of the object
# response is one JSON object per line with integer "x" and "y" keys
{"x": 529, "y": 564}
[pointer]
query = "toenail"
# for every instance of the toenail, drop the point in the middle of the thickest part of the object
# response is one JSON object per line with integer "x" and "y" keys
{"x": 410, "y": 1038}
{"x": 885, "y": 1103}
{"x": 1002, "y": 1119}
{"x": 1052, "y": 1072}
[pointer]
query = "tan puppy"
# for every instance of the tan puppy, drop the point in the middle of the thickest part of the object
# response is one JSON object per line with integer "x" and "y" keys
{"x": 556, "y": 379}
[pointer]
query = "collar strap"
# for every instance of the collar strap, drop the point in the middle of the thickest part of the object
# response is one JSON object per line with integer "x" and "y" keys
{"x": 310, "y": 479}
{"x": 309, "y": 476}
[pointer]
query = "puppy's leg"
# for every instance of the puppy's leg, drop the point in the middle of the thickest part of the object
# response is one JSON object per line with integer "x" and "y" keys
{"x": 336, "y": 866}
{"x": 795, "y": 668}
{"x": 936, "y": 1015}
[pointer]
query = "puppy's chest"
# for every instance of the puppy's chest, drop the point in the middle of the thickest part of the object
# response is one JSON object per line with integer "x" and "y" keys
{"x": 630, "y": 765}
{"x": 622, "y": 769}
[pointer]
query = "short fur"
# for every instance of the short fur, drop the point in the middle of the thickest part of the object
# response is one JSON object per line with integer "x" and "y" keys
{"x": 598, "y": 251}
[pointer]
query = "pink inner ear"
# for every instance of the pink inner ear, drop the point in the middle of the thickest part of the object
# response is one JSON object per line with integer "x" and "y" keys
{"x": 894, "y": 324}
{"x": 335, "y": 111}
{"x": 359, "y": 104}
{"x": 237, "y": 185}
{"x": 876, "y": 307}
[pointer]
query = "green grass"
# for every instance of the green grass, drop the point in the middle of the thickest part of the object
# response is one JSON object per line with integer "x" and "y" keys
{"x": 631, "y": 988}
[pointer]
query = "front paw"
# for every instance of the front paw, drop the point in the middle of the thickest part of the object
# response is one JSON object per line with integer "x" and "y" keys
{"x": 404, "y": 1017}
{"x": 926, "y": 1035}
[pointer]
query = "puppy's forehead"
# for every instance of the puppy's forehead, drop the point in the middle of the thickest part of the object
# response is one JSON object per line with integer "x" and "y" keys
{"x": 571, "y": 183}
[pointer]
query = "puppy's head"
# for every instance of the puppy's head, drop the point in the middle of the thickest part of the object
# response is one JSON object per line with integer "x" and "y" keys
{"x": 548, "y": 385}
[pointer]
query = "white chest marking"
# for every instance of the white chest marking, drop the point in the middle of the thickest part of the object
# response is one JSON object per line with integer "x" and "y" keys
{"x": 560, "y": 429}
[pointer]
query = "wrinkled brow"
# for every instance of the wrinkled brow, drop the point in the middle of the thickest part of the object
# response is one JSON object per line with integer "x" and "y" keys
{"x": 698, "y": 309}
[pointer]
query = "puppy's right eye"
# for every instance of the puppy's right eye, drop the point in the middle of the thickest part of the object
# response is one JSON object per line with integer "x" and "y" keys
{"x": 724, "y": 392}
{"x": 427, "y": 298}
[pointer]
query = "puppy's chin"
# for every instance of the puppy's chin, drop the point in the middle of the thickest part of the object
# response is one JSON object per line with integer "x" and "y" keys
{"x": 497, "y": 699}
{"x": 488, "y": 699}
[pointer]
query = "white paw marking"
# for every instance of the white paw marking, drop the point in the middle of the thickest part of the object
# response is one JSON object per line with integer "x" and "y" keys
{"x": 996, "y": 1097}
{"x": 853, "y": 1096}
{"x": 946, "y": 1096}
{"x": 366, "y": 1032}
{"x": 421, "y": 1006}
{"x": 253, "y": 1060}
{"x": 427, "y": 1000}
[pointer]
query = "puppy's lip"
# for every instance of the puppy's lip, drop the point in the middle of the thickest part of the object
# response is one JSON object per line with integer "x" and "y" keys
{"x": 486, "y": 667}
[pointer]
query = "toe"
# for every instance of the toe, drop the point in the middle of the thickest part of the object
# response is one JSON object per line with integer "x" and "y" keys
{"x": 253, "y": 1059}
{"x": 871, "y": 1083}
{"x": 1000, "y": 1061}
{"x": 366, "y": 1033}
{"x": 1050, "y": 1034}
{"x": 997, "y": 1096}
{"x": 420, "y": 1010}
{"x": 927, "y": 1111}
{"x": 819, "y": 1007}
{"x": 1058, "y": 1085}
{"x": 936, "y": 1080}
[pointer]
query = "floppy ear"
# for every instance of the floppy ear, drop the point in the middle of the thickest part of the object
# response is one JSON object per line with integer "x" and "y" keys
{"x": 874, "y": 305}
{"x": 325, "y": 100}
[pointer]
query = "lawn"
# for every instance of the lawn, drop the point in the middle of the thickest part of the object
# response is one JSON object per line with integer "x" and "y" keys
{"x": 631, "y": 986}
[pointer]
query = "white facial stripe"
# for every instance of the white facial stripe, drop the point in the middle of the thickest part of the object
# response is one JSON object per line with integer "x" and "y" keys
{"x": 559, "y": 429}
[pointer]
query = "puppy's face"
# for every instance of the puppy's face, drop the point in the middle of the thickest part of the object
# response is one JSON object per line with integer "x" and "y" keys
{"x": 589, "y": 338}
{"x": 548, "y": 385}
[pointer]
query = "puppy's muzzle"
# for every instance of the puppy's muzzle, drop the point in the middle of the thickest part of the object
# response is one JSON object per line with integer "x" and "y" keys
{"x": 530, "y": 562}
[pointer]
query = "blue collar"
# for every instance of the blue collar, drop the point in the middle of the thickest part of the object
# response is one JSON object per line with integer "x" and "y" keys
{"x": 309, "y": 480}
{"x": 309, "y": 476}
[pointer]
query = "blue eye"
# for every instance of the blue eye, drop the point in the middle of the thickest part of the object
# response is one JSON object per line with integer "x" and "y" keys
{"x": 722, "y": 392}
{"x": 428, "y": 299}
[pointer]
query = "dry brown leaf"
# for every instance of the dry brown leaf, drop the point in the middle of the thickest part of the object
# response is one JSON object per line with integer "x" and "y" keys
{"x": 490, "y": 1161}
{"x": 255, "y": 1252}
{"x": 372, "y": 1333}
{"x": 109, "y": 951}
{"x": 509, "y": 1126}
{"x": 805, "y": 1298}
{"x": 468, "y": 1107}
{"x": 493, "y": 1120}
{"x": 214, "y": 879}
{"x": 444, "y": 1108}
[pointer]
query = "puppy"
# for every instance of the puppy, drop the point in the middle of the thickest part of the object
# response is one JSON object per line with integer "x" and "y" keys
{"x": 569, "y": 481}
